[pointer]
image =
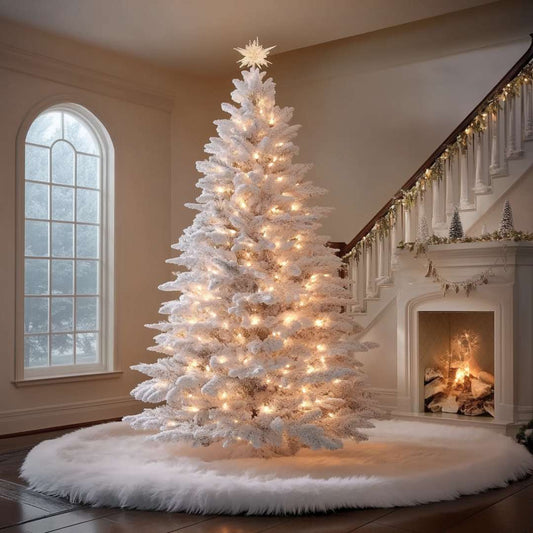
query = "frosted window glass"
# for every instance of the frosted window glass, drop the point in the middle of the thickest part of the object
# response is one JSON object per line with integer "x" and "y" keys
{"x": 62, "y": 314}
{"x": 62, "y": 277}
{"x": 62, "y": 239}
{"x": 62, "y": 203}
{"x": 36, "y": 164}
{"x": 35, "y": 315}
{"x": 62, "y": 349}
{"x": 36, "y": 350}
{"x": 87, "y": 206}
{"x": 63, "y": 163}
{"x": 36, "y": 238}
{"x": 88, "y": 171}
{"x": 45, "y": 129}
{"x": 36, "y": 200}
{"x": 87, "y": 347}
{"x": 87, "y": 241}
{"x": 79, "y": 135}
{"x": 87, "y": 277}
{"x": 87, "y": 313}
{"x": 36, "y": 276}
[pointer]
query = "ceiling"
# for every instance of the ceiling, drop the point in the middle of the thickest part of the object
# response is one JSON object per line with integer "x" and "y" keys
{"x": 199, "y": 35}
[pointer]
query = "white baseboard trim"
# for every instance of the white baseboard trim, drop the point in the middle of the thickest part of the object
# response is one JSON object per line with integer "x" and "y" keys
{"x": 49, "y": 416}
{"x": 386, "y": 398}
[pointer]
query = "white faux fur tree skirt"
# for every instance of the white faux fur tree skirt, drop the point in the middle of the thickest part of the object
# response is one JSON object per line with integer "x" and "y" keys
{"x": 403, "y": 463}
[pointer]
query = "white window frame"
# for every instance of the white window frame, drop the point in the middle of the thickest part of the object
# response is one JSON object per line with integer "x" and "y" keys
{"x": 107, "y": 365}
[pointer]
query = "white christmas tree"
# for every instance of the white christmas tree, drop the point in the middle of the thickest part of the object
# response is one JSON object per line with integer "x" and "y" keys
{"x": 422, "y": 233}
{"x": 257, "y": 347}
{"x": 456, "y": 227}
{"x": 506, "y": 224}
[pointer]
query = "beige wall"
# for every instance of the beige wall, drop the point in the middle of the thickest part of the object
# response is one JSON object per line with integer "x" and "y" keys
{"x": 374, "y": 107}
{"x": 196, "y": 106}
{"x": 138, "y": 118}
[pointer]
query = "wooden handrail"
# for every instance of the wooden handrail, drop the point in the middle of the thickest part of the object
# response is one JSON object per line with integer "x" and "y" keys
{"x": 513, "y": 72}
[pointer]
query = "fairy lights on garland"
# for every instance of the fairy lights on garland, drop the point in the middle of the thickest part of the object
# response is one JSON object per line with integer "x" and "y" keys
{"x": 470, "y": 284}
{"x": 435, "y": 172}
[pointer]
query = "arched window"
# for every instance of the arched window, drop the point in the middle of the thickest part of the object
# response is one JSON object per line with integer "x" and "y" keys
{"x": 65, "y": 246}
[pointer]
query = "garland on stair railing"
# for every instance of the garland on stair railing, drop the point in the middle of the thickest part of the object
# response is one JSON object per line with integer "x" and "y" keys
{"x": 470, "y": 284}
{"x": 435, "y": 172}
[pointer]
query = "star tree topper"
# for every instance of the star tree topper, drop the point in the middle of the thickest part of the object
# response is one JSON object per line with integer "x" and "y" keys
{"x": 254, "y": 55}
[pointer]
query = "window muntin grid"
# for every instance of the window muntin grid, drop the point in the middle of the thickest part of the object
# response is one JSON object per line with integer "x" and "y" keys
{"x": 62, "y": 243}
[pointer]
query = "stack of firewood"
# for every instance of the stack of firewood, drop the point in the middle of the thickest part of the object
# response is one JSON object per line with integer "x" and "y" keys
{"x": 470, "y": 395}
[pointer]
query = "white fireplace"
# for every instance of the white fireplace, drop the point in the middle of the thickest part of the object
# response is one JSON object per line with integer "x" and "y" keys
{"x": 500, "y": 316}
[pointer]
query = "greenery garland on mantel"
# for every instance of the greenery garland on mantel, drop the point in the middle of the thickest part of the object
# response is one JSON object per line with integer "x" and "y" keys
{"x": 435, "y": 172}
{"x": 421, "y": 248}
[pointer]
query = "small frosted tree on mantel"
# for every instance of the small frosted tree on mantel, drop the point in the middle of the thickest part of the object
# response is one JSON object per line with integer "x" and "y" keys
{"x": 506, "y": 224}
{"x": 422, "y": 232}
{"x": 257, "y": 347}
{"x": 456, "y": 227}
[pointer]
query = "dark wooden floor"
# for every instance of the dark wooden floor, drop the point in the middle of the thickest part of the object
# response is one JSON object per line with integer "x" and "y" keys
{"x": 508, "y": 510}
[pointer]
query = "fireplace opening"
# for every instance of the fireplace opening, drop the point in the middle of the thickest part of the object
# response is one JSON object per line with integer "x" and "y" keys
{"x": 456, "y": 350}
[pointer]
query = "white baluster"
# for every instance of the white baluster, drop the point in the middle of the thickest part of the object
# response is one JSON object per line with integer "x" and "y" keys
{"x": 512, "y": 149}
{"x": 393, "y": 237}
{"x": 361, "y": 276}
{"x": 400, "y": 233}
{"x": 407, "y": 226}
{"x": 369, "y": 277}
{"x": 427, "y": 207}
{"x": 420, "y": 213}
{"x": 380, "y": 249}
{"x": 386, "y": 258}
{"x": 481, "y": 186}
{"x": 371, "y": 270}
{"x": 464, "y": 200}
{"x": 394, "y": 240}
{"x": 415, "y": 209}
{"x": 375, "y": 266}
{"x": 448, "y": 176}
{"x": 519, "y": 117}
{"x": 528, "y": 111}
{"x": 354, "y": 278}
{"x": 496, "y": 167}
{"x": 439, "y": 216}
{"x": 383, "y": 259}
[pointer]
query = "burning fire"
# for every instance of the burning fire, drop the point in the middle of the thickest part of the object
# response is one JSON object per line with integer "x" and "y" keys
{"x": 458, "y": 384}
{"x": 467, "y": 344}
{"x": 461, "y": 373}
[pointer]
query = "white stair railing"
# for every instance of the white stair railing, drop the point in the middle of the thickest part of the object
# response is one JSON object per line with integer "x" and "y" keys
{"x": 463, "y": 168}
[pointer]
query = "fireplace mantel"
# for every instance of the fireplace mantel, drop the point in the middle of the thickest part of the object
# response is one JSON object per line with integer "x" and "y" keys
{"x": 463, "y": 260}
{"x": 508, "y": 294}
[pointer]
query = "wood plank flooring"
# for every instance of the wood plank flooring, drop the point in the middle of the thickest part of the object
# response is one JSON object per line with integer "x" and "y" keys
{"x": 507, "y": 510}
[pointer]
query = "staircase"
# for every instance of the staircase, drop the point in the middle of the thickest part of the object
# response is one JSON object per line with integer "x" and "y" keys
{"x": 472, "y": 169}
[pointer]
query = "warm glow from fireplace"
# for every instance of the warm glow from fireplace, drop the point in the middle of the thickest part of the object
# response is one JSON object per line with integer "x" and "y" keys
{"x": 458, "y": 362}
{"x": 461, "y": 374}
